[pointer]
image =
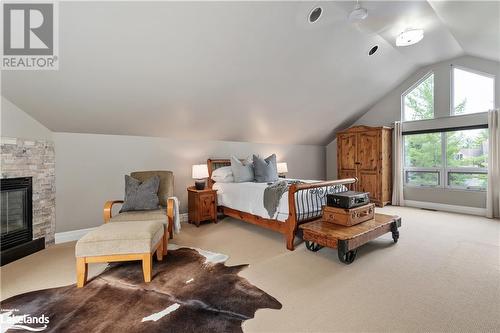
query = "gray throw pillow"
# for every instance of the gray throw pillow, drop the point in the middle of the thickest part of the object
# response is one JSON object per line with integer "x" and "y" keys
{"x": 141, "y": 196}
{"x": 242, "y": 172}
{"x": 265, "y": 170}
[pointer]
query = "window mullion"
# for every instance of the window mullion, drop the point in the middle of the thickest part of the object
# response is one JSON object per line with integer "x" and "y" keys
{"x": 444, "y": 163}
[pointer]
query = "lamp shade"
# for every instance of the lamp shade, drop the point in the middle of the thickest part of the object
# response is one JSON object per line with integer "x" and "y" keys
{"x": 200, "y": 171}
{"x": 282, "y": 167}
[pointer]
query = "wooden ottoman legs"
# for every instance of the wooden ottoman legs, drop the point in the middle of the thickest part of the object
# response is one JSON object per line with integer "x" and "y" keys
{"x": 146, "y": 258}
{"x": 81, "y": 272}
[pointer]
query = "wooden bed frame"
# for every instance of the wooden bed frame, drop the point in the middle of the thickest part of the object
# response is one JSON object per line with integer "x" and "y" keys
{"x": 290, "y": 226}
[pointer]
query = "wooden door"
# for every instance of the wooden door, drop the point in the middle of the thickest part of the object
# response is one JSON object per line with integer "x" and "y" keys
{"x": 367, "y": 162}
{"x": 206, "y": 206}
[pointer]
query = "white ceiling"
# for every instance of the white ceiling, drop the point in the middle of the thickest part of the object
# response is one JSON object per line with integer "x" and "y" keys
{"x": 241, "y": 71}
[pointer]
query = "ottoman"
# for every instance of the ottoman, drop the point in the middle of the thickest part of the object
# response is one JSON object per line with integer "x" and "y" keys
{"x": 120, "y": 242}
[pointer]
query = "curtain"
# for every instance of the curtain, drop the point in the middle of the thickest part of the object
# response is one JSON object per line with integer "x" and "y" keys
{"x": 397, "y": 182}
{"x": 493, "y": 194}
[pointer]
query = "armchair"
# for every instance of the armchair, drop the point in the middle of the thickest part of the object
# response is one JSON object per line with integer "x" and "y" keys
{"x": 165, "y": 214}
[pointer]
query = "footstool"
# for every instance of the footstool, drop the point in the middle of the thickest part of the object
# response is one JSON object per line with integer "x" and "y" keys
{"x": 124, "y": 241}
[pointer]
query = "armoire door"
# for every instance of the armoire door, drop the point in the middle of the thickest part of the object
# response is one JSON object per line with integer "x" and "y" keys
{"x": 346, "y": 156}
{"x": 367, "y": 161}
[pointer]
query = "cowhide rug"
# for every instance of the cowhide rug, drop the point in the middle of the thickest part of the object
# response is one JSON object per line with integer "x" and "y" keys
{"x": 191, "y": 291}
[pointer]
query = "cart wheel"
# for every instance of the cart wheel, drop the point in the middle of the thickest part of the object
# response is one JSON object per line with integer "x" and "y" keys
{"x": 311, "y": 246}
{"x": 395, "y": 236}
{"x": 348, "y": 257}
{"x": 395, "y": 232}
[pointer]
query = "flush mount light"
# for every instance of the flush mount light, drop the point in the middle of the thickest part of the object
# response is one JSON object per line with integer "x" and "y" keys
{"x": 315, "y": 14}
{"x": 373, "y": 50}
{"x": 358, "y": 14}
{"x": 409, "y": 37}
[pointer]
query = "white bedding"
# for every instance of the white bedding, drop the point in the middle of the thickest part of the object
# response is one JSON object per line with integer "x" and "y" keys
{"x": 249, "y": 197}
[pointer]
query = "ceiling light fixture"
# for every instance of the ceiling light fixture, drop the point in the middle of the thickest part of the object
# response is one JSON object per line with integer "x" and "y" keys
{"x": 358, "y": 13}
{"x": 409, "y": 37}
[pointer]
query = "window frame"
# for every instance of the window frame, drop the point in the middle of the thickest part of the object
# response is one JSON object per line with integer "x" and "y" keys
{"x": 443, "y": 170}
{"x": 452, "y": 87}
{"x": 411, "y": 88}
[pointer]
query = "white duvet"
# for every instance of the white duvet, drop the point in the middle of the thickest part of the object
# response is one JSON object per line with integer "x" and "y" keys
{"x": 249, "y": 197}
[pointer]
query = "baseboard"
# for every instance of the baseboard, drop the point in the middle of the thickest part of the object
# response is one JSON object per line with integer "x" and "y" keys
{"x": 74, "y": 235}
{"x": 70, "y": 236}
{"x": 446, "y": 208}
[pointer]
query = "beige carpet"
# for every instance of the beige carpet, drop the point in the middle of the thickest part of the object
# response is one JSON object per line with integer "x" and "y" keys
{"x": 443, "y": 275}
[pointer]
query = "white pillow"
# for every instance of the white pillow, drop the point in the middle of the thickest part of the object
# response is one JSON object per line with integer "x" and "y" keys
{"x": 228, "y": 179}
{"x": 222, "y": 172}
{"x": 223, "y": 175}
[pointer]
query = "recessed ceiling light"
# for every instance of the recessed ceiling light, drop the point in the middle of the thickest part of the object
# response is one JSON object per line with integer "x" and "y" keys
{"x": 373, "y": 50}
{"x": 315, "y": 14}
{"x": 409, "y": 37}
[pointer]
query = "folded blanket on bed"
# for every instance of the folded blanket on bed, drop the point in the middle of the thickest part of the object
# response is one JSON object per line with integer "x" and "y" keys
{"x": 272, "y": 196}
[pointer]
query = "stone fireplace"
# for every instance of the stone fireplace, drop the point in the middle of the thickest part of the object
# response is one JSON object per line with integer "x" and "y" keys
{"x": 27, "y": 179}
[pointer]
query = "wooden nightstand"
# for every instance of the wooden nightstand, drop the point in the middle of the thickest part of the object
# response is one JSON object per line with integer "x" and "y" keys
{"x": 202, "y": 205}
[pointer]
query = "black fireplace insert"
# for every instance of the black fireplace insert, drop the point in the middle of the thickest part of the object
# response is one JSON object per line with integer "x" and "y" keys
{"x": 16, "y": 219}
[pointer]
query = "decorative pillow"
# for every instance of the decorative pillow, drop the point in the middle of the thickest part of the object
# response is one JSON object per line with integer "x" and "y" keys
{"x": 265, "y": 170}
{"x": 141, "y": 196}
{"x": 242, "y": 172}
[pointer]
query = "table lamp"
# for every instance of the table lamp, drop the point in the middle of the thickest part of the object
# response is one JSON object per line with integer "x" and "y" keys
{"x": 282, "y": 169}
{"x": 200, "y": 172}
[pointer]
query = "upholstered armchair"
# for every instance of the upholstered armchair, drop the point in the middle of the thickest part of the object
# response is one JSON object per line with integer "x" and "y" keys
{"x": 165, "y": 213}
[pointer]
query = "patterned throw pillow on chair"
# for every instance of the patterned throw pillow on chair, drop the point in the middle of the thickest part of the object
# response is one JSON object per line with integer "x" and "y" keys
{"x": 141, "y": 195}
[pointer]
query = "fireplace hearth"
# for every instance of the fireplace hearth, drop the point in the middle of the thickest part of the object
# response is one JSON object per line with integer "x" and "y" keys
{"x": 16, "y": 220}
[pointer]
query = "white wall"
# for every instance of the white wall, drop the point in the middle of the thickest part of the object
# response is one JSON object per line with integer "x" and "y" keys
{"x": 331, "y": 160}
{"x": 388, "y": 109}
{"x": 15, "y": 123}
{"x": 90, "y": 168}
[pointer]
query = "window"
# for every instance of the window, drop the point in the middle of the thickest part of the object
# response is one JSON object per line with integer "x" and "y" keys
{"x": 418, "y": 102}
{"x": 467, "y": 159}
{"x": 472, "y": 92}
{"x": 423, "y": 159}
{"x": 463, "y": 165}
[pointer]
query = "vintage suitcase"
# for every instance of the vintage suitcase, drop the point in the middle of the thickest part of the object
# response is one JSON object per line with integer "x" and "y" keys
{"x": 348, "y": 217}
{"x": 348, "y": 199}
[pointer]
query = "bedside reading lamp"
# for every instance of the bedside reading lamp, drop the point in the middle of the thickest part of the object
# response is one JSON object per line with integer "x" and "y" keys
{"x": 282, "y": 169}
{"x": 200, "y": 172}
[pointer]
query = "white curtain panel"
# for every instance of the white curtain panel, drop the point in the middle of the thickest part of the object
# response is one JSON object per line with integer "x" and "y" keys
{"x": 493, "y": 194}
{"x": 397, "y": 182}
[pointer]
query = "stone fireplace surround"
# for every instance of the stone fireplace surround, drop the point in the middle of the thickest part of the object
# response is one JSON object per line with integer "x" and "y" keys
{"x": 36, "y": 159}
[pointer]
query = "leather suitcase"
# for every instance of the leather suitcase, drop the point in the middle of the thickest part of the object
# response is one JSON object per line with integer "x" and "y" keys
{"x": 348, "y": 217}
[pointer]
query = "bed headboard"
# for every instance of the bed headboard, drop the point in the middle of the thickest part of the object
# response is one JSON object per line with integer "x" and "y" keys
{"x": 213, "y": 164}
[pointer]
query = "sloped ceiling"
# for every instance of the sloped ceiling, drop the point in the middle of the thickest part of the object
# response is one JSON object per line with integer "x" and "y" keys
{"x": 239, "y": 71}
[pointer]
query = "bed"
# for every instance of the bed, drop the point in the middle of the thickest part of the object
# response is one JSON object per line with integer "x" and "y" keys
{"x": 301, "y": 203}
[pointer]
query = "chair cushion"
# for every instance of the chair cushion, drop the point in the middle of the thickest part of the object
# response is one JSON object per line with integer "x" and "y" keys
{"x": 120, "y": 238}
{"x": 141, "y": 195}
{"x": 166, "y": 189}
{"x": 159, "y": 215}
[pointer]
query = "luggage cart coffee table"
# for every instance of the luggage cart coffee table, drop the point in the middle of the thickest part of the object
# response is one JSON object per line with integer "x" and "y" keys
{"x": 347, "y": 239}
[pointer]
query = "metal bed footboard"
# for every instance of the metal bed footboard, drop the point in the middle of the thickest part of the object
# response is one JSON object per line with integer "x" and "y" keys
{"x": 309, "y": 198}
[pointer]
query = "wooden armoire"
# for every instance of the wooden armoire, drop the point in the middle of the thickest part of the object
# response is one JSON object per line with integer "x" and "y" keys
{"x": 365, "y": 153}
